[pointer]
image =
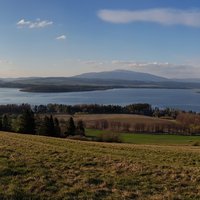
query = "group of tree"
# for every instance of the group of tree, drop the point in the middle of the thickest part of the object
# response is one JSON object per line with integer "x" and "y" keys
{"x": 5, "y": 124}
{"x": 39, "y": 119}
{"x": 186, "y": 128}
{"x": 73, "y": 129}
{"x": 29, "y": 123}
{"x": 48, "y": 126}
{"x": 14, "y": 108}
{"x": 139, "y": 108}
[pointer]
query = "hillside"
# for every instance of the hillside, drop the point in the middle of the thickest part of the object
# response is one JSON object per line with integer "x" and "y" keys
{"x": 123, "y": 75}
{"x": 35, "y": 167}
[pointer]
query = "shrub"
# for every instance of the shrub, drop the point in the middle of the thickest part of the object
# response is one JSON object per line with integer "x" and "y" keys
{"x": 78, "y": 137}
{"x": 109, "y": 137}
{"x": 196, "y": 143}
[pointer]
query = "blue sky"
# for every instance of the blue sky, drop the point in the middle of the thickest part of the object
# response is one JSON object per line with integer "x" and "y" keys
{"x": 68, "y": 37}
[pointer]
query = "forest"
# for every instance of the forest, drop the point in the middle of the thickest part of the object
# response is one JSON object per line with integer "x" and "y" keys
{"x": 47, "y": 120}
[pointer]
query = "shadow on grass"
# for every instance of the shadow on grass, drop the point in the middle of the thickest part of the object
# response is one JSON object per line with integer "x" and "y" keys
{"x": 19, "y": 194}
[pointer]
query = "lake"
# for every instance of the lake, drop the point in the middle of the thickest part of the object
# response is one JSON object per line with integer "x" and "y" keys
{"x": 175, "y": 98}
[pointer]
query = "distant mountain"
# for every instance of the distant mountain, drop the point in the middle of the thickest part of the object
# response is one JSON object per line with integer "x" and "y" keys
{"x": 123, "y": 75}
{"x": 97, "y": 81}
{"x": 188, "y": 80}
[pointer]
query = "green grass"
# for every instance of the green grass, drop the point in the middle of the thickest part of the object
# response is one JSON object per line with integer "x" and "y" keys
{"x": 150, "y": 139}
{"x": 36, "y": 167}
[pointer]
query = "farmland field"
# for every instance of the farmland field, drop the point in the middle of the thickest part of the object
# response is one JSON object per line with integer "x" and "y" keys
{"x": 37, "y": 167}
{"x": 128, "y": 118}
{"x": 149, "y": 138}
{"x": 91, "y": 120}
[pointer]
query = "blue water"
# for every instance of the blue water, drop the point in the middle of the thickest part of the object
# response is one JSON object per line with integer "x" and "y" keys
{"x": 174, "y": 98}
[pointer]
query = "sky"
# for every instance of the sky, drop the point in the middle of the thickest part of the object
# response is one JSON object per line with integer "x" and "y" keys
{"x": 69, "y": 37}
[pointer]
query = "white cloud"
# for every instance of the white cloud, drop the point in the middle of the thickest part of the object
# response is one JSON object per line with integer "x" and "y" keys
{"x": 121, "y": 62}
{"x": 157, "y": 15}
{"x": 22, "y": 22}
{"x": 62, "y": 37}
{"x": 92, "y": 62}
{"x": 33, "y": 24}
{"x": 129, "y": 63}
{"x": 164, "y": 69}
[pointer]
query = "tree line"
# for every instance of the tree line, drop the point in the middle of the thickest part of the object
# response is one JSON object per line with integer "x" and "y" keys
{"x": 39, "y": 119}
{"x": 29, "y": 123}
{"x": 139, "y": 108}
{"x": 142, "y": 127}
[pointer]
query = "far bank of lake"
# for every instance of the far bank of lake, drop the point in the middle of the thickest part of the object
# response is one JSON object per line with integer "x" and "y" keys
{"x": 185, "y": 99}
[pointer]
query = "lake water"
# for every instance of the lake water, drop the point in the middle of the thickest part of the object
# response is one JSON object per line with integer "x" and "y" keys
{"x": 174, "y": 98}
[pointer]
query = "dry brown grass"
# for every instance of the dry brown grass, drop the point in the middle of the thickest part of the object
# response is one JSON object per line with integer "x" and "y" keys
{"x": 122, "y": 118}
{"x": 37, "y": 167}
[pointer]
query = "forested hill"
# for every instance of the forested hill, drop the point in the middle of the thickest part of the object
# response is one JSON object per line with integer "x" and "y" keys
{"x": 96, "y": 81}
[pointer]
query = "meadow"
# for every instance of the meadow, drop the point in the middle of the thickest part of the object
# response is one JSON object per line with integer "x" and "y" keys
{"x": 89, "y": 119}
{"x": 120, "y": 122}
{"x": 159, "y": 139}
{"x": 38, "y": 167}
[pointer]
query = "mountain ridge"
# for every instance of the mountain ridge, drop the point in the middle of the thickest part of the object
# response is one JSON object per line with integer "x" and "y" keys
{"x": 123, "y": 75}
{"x": 96, "y": 81}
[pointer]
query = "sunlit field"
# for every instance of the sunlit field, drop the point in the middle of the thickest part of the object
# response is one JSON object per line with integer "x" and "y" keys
{"x": 37, "y": 167}
{"x": 158, "y": 139}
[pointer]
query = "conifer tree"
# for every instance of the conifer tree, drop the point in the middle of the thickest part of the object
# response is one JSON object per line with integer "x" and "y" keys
{"x": 80, "y": 130}
{"x": 71, "y": 129}
{"x": 57, "y": 127}
{"x": 52, "y": 131}
{"x": 6, "y": 125}
{"x": 0, "y": 123}
{"x": 44, "y": 128}
{"x": 48, "y": 127}
{"x": 27, "y": 122}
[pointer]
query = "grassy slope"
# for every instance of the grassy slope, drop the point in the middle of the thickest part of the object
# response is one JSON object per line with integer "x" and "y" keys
{"x": 150, "y": 138}
{"x": 41, "y": 167}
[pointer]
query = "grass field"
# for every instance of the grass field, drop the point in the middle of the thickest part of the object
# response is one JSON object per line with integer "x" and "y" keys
{"x": 130, "y": 118}
{"x": 150, "y": 138}
{"x": 123, "y": 118}
{"x": 36, "y": 167}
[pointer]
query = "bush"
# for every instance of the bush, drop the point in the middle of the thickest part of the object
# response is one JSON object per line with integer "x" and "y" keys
{"x": 196, "y": 143}
{"x": 109, "y": 137}
{"x": 78, "y": 137}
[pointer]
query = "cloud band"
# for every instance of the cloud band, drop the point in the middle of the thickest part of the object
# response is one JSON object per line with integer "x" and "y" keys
{"x": 161, "y": 16}
{"x": 33, "y": 24}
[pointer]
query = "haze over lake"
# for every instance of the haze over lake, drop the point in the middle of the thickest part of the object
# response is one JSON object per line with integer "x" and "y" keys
{"x": 174, "y": 98}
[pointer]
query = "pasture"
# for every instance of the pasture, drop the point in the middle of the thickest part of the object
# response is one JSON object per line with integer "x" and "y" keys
{"x": 158, "y": 139}
{"x": 38, "y": 167}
